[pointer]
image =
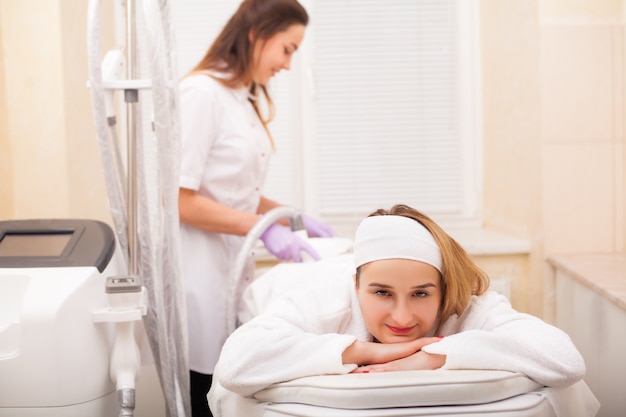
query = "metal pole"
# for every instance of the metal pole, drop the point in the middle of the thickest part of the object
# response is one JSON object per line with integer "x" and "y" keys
{"x": 131, "y": 97}
{"x": 124, "y": 330}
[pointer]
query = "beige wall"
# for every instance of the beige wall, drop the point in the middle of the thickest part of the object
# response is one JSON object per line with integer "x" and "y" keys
{"x": 554, "y": 129}
{"x": 582, "y": 83}
{"x": 49, "y": 159}
{"x": 6, "y": 169}
{"x": 554, "y": 147}
{"x": 511, "y": 141}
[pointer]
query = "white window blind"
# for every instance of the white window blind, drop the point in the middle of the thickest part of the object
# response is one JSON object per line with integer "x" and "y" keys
{"x": 388, "y": 106}
{"x": 196, "y": 24}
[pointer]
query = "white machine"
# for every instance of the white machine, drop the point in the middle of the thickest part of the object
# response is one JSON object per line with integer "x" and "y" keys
{"x": 55, "y": 342}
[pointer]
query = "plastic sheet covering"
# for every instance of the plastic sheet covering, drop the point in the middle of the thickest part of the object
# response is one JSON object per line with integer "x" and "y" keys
{"x": 117, "y": 202}
{"x": 158, "y": 139}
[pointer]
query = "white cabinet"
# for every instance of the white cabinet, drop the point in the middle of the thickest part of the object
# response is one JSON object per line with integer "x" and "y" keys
{"x": 591, "y": 307}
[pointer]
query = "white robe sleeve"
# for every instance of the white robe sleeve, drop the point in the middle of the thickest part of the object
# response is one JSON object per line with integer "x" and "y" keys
{"x": 490, "y": 334}
{"x": 297, "y": 337}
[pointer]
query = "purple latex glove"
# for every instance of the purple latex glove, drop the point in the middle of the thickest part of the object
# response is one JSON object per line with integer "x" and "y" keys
{"x": 315, "y": 228}
{"x": 285, "y": 245}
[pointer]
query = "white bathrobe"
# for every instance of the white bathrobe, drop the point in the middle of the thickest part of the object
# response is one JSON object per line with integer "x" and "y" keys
{"x": 304, "y": 332}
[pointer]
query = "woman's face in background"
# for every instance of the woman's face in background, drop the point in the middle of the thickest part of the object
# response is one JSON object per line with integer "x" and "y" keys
{"x": 274, "y": 54}
{"x": 399, "y": 299}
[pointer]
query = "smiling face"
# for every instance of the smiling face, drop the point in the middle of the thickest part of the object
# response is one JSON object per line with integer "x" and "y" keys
{"x": 275, "y": 53}
{"x": 399, "y": 299}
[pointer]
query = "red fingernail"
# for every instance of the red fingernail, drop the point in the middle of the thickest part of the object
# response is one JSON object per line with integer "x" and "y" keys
{"x": 441, "y": 337}
{"x": 366, "y": 372}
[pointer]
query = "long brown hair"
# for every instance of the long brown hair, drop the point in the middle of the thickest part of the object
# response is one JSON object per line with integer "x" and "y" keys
{"x": 231, "y": 52}
{"x": 461, "y": 277}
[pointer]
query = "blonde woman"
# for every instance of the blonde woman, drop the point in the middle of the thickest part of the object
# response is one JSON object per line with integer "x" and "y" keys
{"x": 415, "y": 301}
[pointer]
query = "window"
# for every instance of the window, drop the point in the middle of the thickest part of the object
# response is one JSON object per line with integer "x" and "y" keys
{"x": 381, "y": 106}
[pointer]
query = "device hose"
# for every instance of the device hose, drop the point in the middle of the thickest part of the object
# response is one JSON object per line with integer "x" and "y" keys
{"x": 117, "y": 203}
{"x": 152, "y": 254}
{"x": 246, "y": 251}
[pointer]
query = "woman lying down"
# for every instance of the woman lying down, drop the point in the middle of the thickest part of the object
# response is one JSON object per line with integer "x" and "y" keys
{"x": 415, "y": 301}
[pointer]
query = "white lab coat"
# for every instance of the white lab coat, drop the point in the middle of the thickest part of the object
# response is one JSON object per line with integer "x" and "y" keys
{"x": 305, "y": 331}
{"x": 225, "y": 154}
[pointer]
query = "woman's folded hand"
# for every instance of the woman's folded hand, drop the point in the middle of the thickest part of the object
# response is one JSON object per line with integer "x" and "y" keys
{"x": 369, "y": 354}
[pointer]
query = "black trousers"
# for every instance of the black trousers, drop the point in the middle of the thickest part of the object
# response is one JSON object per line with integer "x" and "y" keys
{"x": 200, "y": 386}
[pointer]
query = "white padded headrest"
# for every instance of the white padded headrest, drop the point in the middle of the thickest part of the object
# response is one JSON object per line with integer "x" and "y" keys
{"x": 400, "y": 389}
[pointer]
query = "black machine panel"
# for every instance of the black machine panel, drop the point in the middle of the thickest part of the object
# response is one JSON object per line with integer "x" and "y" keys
{"x": 55, "y": 243}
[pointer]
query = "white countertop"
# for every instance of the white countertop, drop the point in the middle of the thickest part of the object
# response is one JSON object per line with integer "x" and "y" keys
{"x": 603, "y": 273}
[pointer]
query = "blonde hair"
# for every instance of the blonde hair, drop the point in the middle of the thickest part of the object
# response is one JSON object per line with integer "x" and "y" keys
{"x": 461, "y": 277}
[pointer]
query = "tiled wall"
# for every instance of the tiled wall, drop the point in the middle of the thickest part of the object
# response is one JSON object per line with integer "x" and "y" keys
{"x": 510, "y": 45}
{"x": 553, "y": 74}
{"x": 582, "y": 129}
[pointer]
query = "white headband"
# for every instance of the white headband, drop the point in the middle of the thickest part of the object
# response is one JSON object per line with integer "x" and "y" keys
{"x": 394, "y": 237}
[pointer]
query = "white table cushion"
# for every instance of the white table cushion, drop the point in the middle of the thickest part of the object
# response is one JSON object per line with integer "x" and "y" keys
{"x": 400, "y": 389}
{"x": 525, "y": 405}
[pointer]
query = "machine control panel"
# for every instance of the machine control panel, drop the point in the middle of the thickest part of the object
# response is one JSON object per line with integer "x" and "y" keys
{"x": 55, "y": 243}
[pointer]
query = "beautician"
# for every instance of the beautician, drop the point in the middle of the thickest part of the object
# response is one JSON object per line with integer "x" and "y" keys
{"x": 226, "y": 149}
